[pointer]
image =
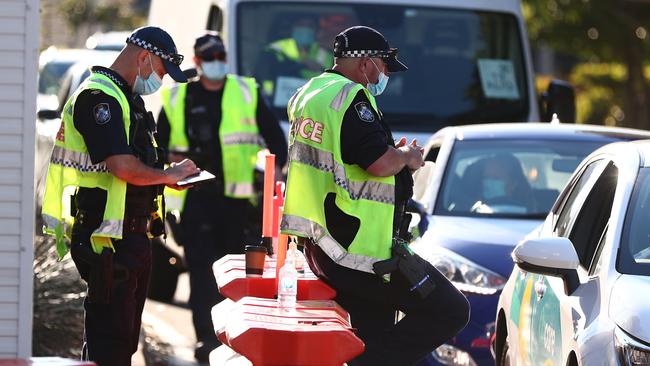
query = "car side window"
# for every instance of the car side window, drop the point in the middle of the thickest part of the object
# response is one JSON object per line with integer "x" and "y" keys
{"x": 593, "y": 216}
{"x": 569, "y": 209}
{"x": 594, "y": 268}
{"x": 433, "y": 152}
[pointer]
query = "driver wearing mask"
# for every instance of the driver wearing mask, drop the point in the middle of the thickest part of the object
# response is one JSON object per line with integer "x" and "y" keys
{"x": 504, "y": 184}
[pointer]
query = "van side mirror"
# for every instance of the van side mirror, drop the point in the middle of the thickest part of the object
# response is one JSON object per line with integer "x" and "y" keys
{"x": 559, "y": 99}
{"x": 45, "y": 114}
{"x": 550, "y": 256}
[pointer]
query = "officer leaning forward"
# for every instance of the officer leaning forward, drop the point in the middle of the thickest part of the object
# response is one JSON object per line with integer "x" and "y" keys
{"x": 220, "y": 121}
{"x": 106, "y": 149}
{"x": 347, "y": 186}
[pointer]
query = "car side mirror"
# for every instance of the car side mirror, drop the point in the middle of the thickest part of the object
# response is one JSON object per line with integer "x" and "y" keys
{"x": 559, "y": 99}
{"x": 551, "y": 256}
{"x": 45, "y": 114}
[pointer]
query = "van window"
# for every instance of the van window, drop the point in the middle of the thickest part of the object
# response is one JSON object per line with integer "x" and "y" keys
{"x": 464, "y": 65}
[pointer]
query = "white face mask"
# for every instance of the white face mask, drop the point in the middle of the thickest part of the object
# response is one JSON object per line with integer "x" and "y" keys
{"x": 214, "y": 70}
{"x": 380, "y": 86}
{"x": 149, "y": 85}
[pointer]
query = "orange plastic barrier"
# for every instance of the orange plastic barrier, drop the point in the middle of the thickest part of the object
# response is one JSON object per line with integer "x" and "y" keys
{"x": 45, "y": 361}
{"x": 315, "y": 333}
{"x": 230, "y": 273}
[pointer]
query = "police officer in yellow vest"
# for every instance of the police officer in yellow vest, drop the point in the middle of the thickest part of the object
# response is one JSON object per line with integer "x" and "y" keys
{"x": 347, "y": 186}
{"x": 106, "y": 150}
{"x": 300, "y": 55}
{"x": 221, "y": 121}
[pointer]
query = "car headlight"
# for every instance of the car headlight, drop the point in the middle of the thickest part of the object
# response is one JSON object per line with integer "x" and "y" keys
{"x": 631, "y": 352}
{"x": 466, "y": 275}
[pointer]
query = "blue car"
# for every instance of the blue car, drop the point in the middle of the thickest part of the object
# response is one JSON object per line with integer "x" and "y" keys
{"x": 484, "y": 188}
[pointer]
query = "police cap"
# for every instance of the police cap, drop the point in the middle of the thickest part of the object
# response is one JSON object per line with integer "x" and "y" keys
{"x": 161, "y": 44}
{"x": 362, "y": 41}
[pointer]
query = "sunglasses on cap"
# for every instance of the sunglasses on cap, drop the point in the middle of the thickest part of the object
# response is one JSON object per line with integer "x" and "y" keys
{"x": 175, "y": 58}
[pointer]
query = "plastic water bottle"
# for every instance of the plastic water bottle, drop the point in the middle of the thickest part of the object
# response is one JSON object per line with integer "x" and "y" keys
{"x": 288, "y": 281}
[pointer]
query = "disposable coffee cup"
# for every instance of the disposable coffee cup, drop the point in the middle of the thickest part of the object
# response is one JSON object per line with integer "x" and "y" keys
{"x": 255, "y": 256}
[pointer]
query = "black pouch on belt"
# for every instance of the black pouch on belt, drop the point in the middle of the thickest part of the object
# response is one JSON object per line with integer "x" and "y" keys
{"x": 409, "y": 265}
{"x": 100, "y": 281}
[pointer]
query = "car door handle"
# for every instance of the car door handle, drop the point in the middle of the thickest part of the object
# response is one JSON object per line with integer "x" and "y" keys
{"x": 540, "y": 288}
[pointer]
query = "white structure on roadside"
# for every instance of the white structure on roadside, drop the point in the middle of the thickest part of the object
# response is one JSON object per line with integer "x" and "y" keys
{"x": 19, "y": 42}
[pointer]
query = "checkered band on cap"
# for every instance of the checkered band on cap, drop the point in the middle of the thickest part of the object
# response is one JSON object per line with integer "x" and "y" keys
{"x": 367, "y": 53}
{"x": 176, "y": 58}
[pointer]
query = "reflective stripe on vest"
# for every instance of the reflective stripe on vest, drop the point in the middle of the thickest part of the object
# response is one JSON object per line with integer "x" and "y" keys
{"x": 324, "y": 161}
{"x": 70, "y": 166}
{"x": 317, "y": 170}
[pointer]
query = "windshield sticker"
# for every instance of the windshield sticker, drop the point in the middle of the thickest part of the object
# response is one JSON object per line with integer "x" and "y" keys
{"x": 498, "y": 79}
{"x": 285, "y": 88}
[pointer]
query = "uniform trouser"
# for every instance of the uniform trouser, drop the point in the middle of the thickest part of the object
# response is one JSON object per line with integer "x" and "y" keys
{"x": 212, "y": 226}
{"x": 112, "y": 331}
{"x": 372, "y": 305}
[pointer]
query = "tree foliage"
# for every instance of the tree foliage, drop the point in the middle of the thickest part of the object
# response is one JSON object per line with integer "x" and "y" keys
{"x": 604, "y": 31}
{"x": 109, "y": 15}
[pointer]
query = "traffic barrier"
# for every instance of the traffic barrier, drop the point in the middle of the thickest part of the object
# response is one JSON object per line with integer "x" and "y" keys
{"x": 250, "y": 323}
{"x": 44, "y": 361}
{"x": 230, "y": 273}
{"x": 317, "y": 332}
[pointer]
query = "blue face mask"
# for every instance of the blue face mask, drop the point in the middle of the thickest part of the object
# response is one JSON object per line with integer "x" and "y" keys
{"x": 493, "y": 188}
{"x": 149, "y": 85}
{"x": 304, "y": 36}
{"x": 214, "y": 70}
{"x": 377, "y": 89}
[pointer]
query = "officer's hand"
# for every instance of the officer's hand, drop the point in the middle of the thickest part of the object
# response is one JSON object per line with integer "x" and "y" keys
{"x": 414, "y": 154}
{"x": 175, "y": 157}
{"x": 178, "y": 171}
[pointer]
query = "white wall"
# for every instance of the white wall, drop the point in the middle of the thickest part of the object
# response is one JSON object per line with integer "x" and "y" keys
{"x": 19, "y": 38}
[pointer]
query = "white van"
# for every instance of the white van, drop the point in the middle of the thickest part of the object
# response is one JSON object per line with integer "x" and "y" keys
{"x": 469, "y": 60}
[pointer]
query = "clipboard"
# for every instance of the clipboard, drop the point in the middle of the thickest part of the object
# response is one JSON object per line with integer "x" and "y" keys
{"x": 200, "y": 177}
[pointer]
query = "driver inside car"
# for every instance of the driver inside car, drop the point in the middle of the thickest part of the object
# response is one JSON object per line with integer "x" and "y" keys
{"x": 500, "y": 185}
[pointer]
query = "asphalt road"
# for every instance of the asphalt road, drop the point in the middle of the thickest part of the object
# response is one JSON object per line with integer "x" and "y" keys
{"x": 168, "y": 335}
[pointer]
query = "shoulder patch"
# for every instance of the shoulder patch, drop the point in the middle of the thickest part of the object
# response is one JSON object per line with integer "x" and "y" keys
{"x": 102, "y": 113}
{"x": 364, "y": 112}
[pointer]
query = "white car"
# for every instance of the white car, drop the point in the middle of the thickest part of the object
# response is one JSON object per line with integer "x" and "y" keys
{"x": 579, "y": 292}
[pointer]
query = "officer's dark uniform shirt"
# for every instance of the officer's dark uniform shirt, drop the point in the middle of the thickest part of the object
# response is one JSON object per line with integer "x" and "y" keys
{"x": 98, "y": 118}
{"x": 202, "y": 121}
{"x": 365, "y": 137}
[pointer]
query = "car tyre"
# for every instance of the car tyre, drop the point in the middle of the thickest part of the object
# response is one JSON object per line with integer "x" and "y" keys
{"x": 504, "y": 356}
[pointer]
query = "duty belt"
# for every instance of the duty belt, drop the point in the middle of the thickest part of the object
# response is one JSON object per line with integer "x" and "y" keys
{"x": 132, "y": 224}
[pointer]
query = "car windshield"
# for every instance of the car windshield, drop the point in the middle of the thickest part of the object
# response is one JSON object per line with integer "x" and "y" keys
{"x": 508, "y": 178}
{"x": 49, "y": 77}
{"x": 464, "y": 65}
{"x": 634, "y": 256}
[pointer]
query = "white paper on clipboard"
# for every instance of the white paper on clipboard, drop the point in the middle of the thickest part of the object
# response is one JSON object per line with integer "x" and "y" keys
{"x": 203, "y": 175}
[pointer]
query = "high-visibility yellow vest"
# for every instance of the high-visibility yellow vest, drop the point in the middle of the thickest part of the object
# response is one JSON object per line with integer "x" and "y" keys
{"x": 70, "y": 166}
{"x": 316, "y": 169}
{"x": 287, "y": 48}
{"x": 238, "y": 134}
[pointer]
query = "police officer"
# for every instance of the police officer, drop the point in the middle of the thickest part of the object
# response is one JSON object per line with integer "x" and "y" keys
{"x": 221, "y": 121}
{"x": 300, "y": 55}
{"x": 347, "y": 187}
{"x": 106, "y": 148}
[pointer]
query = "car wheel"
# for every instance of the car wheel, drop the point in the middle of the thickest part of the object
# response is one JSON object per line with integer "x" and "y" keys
{"x": 164, "y": 272}
{"x": 504, "y": 357}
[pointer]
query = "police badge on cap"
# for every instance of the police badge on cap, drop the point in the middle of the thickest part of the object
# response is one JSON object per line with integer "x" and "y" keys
{"x": 102, "y": 113}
